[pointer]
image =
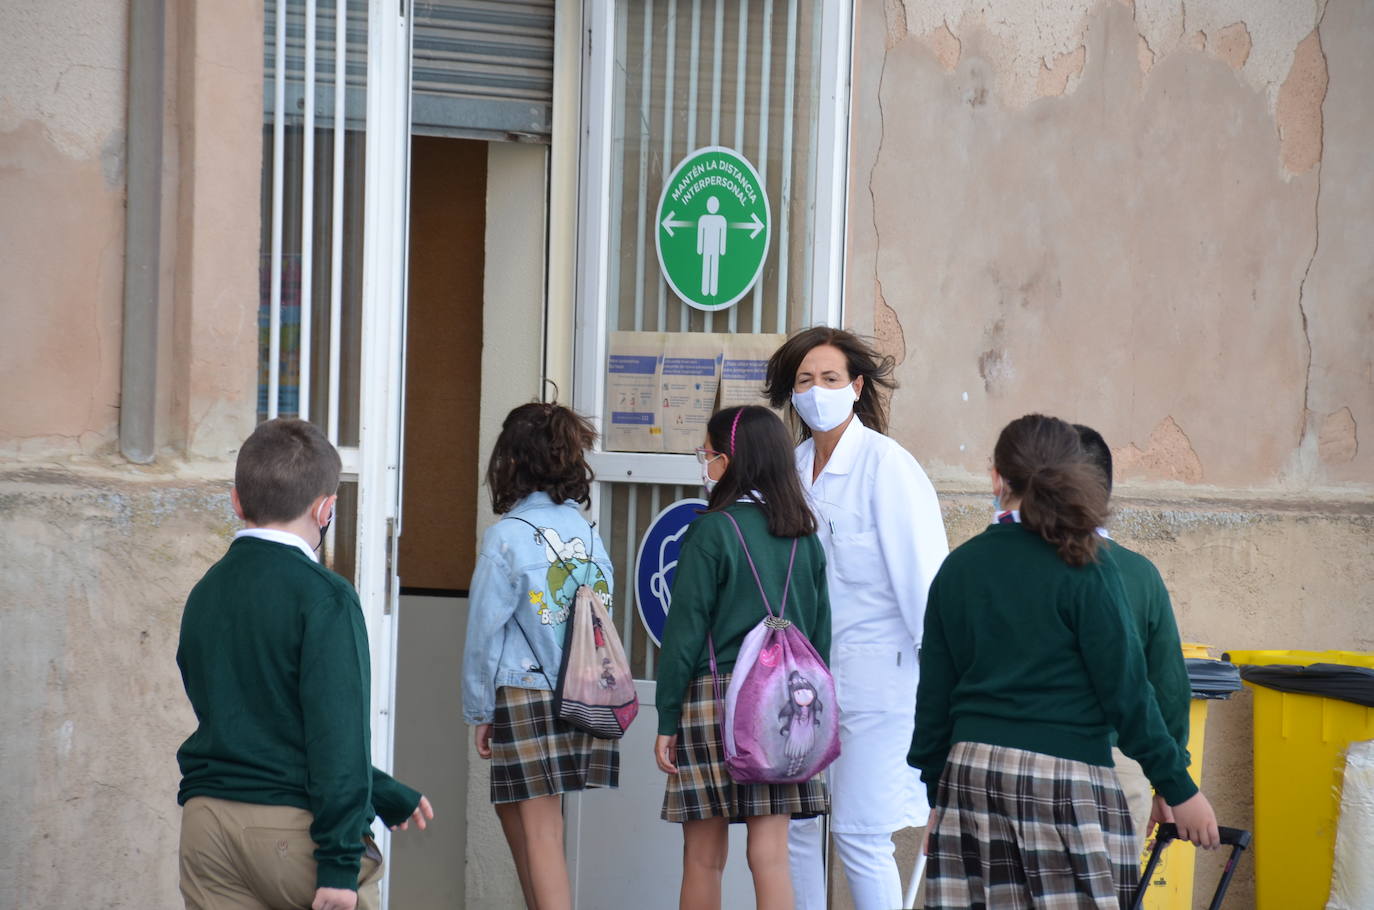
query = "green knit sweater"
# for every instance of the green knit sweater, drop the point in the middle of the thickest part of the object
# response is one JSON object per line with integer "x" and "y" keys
{"x": 714, "y": 590}
{"x": 1153, "y": 614}
{"x": 1023, "y": 650}
{"x": 274, "y": 658}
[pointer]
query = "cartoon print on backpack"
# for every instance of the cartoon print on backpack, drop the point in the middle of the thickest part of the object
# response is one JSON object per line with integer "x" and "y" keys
{"x": 800, "y": 716}
{"x": 569, "y": 565}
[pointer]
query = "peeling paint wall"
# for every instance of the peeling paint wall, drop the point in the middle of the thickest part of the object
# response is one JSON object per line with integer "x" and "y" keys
{"x": 99, "y": 555}
{"x": 91, "y": 695}
{"x": 62, "y": 188}
{"x": 1154, "y": 218}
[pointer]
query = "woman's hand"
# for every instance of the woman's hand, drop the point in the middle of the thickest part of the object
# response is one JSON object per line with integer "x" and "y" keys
{"x": 421, "y": 816}
{"x": 481, "y": 735}
{"x": 930, "y": 826}
{"x": 1197, "y": 822}
{"x": 664, "y": 749}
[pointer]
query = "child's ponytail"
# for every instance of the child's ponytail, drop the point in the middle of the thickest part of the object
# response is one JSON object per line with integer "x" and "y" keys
{"x": 1062, "y": 495}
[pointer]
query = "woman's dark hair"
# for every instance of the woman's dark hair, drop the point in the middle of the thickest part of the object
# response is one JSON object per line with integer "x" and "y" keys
{"x": 1062, "y": 497}
{"x": 862, "y": 360}
{"x": 540, "y": 449}
{"x": 761, "y": 469}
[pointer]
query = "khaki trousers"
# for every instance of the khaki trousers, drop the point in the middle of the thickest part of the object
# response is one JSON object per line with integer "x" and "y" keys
{"x": 1139, "y": 794}
{"x": 245, "y": 856}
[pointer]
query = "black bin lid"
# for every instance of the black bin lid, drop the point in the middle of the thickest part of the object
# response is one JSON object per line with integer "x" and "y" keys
{"x": 1341, "y": 681}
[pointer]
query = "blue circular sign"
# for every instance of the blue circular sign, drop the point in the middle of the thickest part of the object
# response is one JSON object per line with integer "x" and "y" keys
{"x": 656, "y": 563}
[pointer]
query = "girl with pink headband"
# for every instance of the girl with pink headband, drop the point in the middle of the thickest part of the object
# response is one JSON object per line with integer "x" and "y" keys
{"x": 748, "y": 473}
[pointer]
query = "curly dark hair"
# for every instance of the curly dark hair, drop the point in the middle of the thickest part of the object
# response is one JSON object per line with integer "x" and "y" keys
{"x": 541, "y": 449}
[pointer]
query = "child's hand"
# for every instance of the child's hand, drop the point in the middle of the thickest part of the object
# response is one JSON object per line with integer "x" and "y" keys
{"x": 664, "y": 749}
{"x": 334, "y": 899}
{"x": 1160, "y": 814}
{"x": 482, "y": 737}
{"x": 422, "y": 814}
{"x": 1197, "y": 822}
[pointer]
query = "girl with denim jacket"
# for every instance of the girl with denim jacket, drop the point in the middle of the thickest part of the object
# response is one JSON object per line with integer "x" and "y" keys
{"x": 529, "y": 568}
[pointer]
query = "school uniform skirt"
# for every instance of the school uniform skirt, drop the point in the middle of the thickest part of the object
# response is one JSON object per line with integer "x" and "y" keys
{"x": 533, "y": 753}
{"x": 703, "y": 788}
{"x": 1016, "y": 829}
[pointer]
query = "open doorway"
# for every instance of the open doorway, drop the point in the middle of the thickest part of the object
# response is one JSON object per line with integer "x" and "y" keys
{"x": 439, "y": 497}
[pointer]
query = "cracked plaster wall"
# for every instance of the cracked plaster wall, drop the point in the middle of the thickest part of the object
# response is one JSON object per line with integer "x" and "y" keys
{"x": 91, "y": 692}
{"x": 1153, "y": 218}
{"x": 62, "y": 188}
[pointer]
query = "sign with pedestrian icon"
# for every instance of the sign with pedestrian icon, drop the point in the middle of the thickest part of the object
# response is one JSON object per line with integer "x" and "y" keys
{"x": 714, "y": 225}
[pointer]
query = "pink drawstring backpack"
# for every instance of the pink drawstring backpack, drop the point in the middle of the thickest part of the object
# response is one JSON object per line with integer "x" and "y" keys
{"x": 779, "y": 720}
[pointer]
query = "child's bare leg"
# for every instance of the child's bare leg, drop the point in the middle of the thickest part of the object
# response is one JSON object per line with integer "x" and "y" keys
{"x": 509, "y": 815}
{"x": 541, "y": 819}
{"x": 768, "y": 864}
{"x": 705, "y": 845}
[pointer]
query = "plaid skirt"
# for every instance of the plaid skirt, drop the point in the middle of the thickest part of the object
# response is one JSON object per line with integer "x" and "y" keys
{"x": 1016, "y": 829}
{"x": 703, "y": 788}
{"x": 535, "y": 754}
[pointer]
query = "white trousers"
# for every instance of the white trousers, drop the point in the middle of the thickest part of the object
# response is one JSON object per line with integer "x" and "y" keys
{"x": 870, "y": 867}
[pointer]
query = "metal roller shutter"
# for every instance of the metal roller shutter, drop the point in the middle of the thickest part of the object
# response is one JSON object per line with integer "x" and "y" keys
{"x": 483, "y": 68}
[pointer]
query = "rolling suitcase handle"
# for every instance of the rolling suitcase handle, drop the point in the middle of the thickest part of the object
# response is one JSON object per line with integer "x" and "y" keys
{"x": 1237, "y": 838}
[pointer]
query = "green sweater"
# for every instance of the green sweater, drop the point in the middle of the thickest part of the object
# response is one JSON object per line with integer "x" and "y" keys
{"x": 714, "y": 590}
{"x": 274, "y": 658}
{"x": 1148, "y": 600}
{"x": 1025, "y": 651}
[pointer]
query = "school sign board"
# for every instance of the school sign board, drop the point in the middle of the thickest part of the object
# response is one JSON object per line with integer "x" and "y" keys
{"x": 656, "y": 563}
{"x": 714, "y": 225}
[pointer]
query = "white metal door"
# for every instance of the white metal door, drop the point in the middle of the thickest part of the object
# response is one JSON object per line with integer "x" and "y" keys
{"x": 333, "y": 314}
{"x": 769, "y": 78}
{"x": 385, "y": 245}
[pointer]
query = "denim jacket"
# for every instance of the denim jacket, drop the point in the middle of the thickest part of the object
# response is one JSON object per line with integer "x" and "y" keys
{"x": 521, "y": 597}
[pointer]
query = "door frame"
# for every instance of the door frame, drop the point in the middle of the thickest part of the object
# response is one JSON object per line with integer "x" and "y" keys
{"x": 379, "y": 465}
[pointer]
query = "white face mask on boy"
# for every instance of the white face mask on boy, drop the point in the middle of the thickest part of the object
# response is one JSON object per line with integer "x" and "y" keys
{"x": 824, "y": 409}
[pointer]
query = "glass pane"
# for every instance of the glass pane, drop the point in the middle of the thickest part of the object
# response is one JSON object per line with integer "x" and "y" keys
{"x": 341, "y": 554}
{"x": 626, "y": 511}
{"x": 693, "y": 73}
{"x": 322, "y": 210}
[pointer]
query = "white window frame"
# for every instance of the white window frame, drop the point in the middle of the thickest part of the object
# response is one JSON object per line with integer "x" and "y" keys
{"x": 590, "y": 339}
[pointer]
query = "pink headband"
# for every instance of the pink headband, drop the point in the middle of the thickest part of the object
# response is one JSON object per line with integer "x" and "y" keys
{"x": 733, "y": 427}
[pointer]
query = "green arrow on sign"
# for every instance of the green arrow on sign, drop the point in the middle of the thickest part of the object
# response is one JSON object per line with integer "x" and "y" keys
{"x": 714, "y": 226}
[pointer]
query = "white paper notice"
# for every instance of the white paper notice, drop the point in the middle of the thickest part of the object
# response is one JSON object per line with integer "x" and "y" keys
{"x": 631, "y": 392}
{"x": 688, "y": 380}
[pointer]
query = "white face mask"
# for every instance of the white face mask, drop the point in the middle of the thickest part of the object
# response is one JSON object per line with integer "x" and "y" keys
{"x": 824, "y": 409}
{"x": 706, "y": 479}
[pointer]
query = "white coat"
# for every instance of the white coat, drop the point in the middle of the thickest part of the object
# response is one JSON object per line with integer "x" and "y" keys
{"x": 884, "y": 538}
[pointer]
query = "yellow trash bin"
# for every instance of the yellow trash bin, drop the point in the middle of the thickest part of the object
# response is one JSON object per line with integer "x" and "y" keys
{"x": 1300, "y": 743}
{"x": 1171, "y": 885}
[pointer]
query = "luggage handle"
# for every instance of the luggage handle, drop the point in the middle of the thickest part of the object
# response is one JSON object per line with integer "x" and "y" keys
{"x": 1236, "y": 838}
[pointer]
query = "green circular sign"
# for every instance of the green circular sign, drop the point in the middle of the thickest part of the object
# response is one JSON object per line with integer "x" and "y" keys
{"x": 713, "y": 228}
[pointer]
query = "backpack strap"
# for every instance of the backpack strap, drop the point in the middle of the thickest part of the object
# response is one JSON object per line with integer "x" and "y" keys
{"x": 782, "y": 606}
{"x": 710, "y": 640}
{"x": 591, "y": 544}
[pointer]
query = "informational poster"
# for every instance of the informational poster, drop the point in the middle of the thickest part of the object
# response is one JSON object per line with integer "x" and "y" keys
{"x": 688, "y": 381}
{"x": 662, "y": 388}
{"x": 632, "y": 390}
{"x": 744, "y": 368}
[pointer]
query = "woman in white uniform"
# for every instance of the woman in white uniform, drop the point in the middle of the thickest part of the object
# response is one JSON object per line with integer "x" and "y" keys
{"x": 880, "y": 525}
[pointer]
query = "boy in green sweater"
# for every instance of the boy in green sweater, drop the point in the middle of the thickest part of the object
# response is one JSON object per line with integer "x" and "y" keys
{"x": 277, "y": 787}
{"x": 1150, "y": 608}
